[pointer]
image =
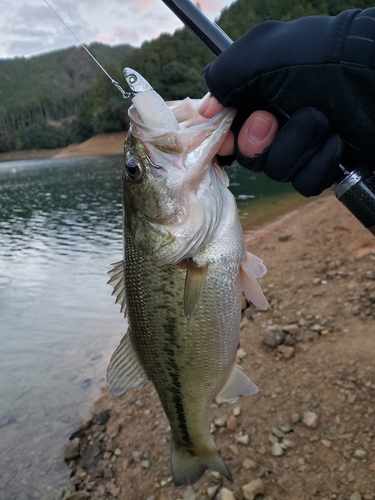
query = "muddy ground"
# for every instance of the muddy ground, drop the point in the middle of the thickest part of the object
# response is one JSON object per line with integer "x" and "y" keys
{"x": 310, "y": 431}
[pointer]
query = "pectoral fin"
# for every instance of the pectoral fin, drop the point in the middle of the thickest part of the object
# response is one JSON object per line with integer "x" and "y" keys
{"x": 117, "y": 280}
{"x": 194, "y": 281}
{"x": 251, "y": 268}
{"x": 125, "y": 371}
{"x": 237, "y": 385}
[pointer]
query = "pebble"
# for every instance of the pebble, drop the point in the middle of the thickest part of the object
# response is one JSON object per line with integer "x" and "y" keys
{"x": 145, "y": 464}
{"x": 189, "y": 493}
{"x": 289, "y": 340}
{"x": 360, "y": 453}
{"x": 234, "y": 449}
{"x": 286, "y": 351}
{"x": 249, "y": 464}
{"x": 326, "y": 443}
{"x": 372, "y": 467}
{"x": 295, "y": 417}
{"x": 220, "y": 421}
{"x": 212, "y": 490}
{"x": 241, "y": 353}
{"x": 225, "y": 494}
{"x": 310, "y": 419}
{"x": 286, "y": 428}
{"x": 277, "y": 450}
{"x": 90, "y": 454}
{"x": 232, "y": 423}
{"x": 237, "y": 411}
{"x": 355, "y": 496}
{"x": 262, "y": 450}
{"x": 273, "y": 336}
{"x": 71, "y": 449}
{"x": 277, "y": 432}
{"x": 288, "y": 442}
{"x": 243, "y": 439}
{"x": 117, "y": 452}
{"x": 293, "y": 328}
{"x": 254, "y": 488}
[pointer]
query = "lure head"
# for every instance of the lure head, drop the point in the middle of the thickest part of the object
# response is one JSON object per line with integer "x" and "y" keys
{"x": 136, "y": 81}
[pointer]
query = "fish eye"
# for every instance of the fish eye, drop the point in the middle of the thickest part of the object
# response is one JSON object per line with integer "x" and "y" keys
{"x": 134, "y": 169}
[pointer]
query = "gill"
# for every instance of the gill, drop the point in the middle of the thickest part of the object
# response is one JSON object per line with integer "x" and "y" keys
{"x": 125, "y": 95}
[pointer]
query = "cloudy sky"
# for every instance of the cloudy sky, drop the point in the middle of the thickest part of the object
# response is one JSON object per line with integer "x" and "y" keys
{"x": 29, "y": 27}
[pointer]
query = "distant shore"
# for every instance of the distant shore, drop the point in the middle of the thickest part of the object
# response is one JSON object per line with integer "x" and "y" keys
{"x": 102, "y": 144}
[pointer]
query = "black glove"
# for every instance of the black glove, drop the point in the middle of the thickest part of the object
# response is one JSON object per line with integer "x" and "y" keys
{"x": 319, "y": 71}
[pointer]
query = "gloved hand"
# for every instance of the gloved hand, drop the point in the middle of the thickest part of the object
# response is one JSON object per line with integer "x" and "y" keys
{"x": 319, "y": 71}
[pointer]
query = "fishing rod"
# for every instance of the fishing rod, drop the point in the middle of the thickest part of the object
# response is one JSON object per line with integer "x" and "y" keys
{"x": 355, "y": 189}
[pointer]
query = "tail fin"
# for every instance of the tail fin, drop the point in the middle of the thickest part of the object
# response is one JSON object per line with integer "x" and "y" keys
{"x": 187, "y": 468}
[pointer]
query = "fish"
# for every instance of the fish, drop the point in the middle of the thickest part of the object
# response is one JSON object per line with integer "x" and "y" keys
{"x": 182, "y": 276}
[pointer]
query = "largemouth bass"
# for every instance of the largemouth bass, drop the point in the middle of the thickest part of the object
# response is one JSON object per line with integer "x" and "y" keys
{"x": 181, "y": 280}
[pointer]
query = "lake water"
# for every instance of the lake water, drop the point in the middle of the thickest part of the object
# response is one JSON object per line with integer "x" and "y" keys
{"x": 60, "y": 229}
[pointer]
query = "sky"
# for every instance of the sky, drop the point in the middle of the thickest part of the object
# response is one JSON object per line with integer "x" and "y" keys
{"x": 29, "y": 27}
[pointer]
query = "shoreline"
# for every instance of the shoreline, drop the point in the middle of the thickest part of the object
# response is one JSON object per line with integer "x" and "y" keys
{"x": 321, "y": 288}
{"x": 101, "y": 144}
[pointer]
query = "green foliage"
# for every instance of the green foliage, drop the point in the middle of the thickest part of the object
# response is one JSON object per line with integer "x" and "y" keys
{"x": 62, "y": 97}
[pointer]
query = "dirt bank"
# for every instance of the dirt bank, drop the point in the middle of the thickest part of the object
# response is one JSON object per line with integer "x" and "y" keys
{"x": 310, "y": 431}
{"x": 102, "y": 144}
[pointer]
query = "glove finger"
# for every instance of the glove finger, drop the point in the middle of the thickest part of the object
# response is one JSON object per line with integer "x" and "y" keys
{"x": 322, "y": 169}
{"x": 299, "y": 139}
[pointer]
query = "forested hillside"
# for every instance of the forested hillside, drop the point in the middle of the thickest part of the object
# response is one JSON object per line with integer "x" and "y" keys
{"x": 62, "y": 97}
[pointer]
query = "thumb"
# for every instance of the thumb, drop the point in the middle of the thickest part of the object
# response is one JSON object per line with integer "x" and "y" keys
{"x": 257, "y": 133}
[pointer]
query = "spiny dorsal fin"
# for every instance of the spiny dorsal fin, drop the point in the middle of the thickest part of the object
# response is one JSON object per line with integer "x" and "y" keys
{"x": 195, "y": 276}
{"x": 237, "y": 385}
{"x": 251, "y": 268}
{"x": 117, "y": 280}
{"x": 125, "y": 371}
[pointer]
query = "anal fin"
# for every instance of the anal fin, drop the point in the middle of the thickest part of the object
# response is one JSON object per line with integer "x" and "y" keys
{"x": 237, "y": 385}
{"x": 124, "y": 371}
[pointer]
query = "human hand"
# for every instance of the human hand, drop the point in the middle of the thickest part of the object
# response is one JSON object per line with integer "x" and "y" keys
{"x": 316, "y": 75}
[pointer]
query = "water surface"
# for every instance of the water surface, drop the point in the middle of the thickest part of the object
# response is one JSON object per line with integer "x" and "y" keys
{"x": 60, "y": 229}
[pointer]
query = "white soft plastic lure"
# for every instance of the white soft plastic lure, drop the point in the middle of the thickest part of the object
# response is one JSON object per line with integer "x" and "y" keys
{"x": 183, "y": 273}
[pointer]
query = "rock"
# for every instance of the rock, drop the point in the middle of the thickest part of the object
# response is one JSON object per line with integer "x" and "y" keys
{"x": 310, "y": 419}
{"x": 355, "y": 496}
{"x": 189, "y": 494}
{"x": 117, "y": 452}
{"x": 254, "y": 488}
{"x": 360, "y": 453}
{"x": 232, "y": 423}
{"x": 225, "y": 494}
{"x": 237, "y": 411}
{"x": 277, "y": 450}
{"x": 288, "y": 442}
{"x": 249, "y": 464}
{"x": 145, "y": 464}
{"x": 273, "y": 336}
{"x": 238, "y": 493}
{"x": 277, "y": 432}
{"x": 286, "y": 428}
{"x": 372, "y": 467}
{"x": 326, "y": 443}
{"x": 220, "y": 421}
{"x": 78, "y": 495}
{"x": 71, "y": 449}
{"x": 286, "y": 351}
{"x": 234, "y": 449}
{"x": 90, "y": 454}
{"x": 241, "y": 354}
{"x": 212, "y": 490}
{"x": 243, "y": 439}
{"x": 115, "y": 492}
{"x": 295, "y": 417}
{"x": 289, "y": 340}
{"x": 262, "y": 450}
{"x": 293, "y": 328}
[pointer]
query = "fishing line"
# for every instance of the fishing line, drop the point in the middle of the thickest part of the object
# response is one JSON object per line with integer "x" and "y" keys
{"x": 125, "y": 95}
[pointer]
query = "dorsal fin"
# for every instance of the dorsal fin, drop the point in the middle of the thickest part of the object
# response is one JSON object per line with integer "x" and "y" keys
{"x": 117, "y": 280}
